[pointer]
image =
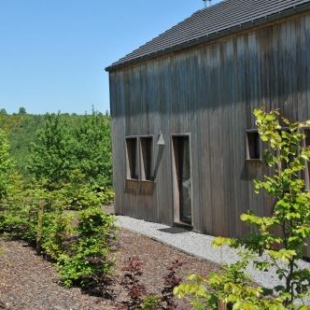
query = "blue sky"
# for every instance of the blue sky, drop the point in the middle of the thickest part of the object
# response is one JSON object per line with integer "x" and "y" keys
{"x": 53, "y": 52}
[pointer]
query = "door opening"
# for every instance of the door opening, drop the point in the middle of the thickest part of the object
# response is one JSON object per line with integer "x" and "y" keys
{"x": 182, "y": 179}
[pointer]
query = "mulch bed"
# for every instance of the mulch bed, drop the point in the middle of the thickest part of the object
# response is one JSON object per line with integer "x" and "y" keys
{"x": 28, "y": 281}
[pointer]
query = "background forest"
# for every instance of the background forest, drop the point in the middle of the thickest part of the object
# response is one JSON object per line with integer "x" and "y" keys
{"x": 56, "y": 148}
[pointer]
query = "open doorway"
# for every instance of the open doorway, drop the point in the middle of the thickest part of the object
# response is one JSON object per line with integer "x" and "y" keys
{"x": 182, "y": 179}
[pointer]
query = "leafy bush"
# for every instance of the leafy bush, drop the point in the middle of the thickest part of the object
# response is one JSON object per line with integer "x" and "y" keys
{"x": 6, "y": 164}
{"x": 138, "y": 297}
{"x": 86, "y": 260}
{"x": 79, "y": 194}
{"x": 171, "y": 280}
{"x": 78, "y": 242}
{"x": 18, "y": 212}
{"x": 132, "y": 284}
{"x": 56, "y": 230}
{"x": 15, "y": 223}
{"x": 151, "y": 302}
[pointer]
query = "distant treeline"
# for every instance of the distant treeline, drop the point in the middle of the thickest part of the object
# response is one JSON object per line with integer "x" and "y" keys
{"x": 53, "y": 147}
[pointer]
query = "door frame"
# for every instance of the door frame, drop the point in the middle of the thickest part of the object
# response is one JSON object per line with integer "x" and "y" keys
{"x": 175, "y": 184}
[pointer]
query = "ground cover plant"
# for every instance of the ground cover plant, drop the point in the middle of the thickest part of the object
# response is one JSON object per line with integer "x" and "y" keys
{"x": 138, "y": 296}
{"x": 278, "y": 240}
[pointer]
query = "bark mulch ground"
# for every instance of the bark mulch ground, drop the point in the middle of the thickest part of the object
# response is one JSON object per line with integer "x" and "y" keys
{"x": 28, "y": 282}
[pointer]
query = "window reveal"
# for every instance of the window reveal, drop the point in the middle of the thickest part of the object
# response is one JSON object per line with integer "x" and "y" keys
{"x": 306, "y": 142}
{"x": 132, "y": 158}
{"x": 253, "y": 145}
{"x": 146, "y": 144}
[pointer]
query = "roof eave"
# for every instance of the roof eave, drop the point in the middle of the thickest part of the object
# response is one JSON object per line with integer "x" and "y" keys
{"x": 214, "y": 36}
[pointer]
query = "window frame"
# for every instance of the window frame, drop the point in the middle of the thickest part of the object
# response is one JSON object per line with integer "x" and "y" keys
{"x": 253, "y": 146}
{"x": 306, "y": 172}
{"x": 175, "y": 181}
{"x": 145, "y": 162}
{"x": 132, "y": 164}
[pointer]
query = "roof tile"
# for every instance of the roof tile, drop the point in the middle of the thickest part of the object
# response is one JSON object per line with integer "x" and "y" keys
{"x": 210, "y": 22}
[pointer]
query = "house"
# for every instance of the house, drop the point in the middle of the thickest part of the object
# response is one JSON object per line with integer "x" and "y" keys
{"x": 184, "y": 139}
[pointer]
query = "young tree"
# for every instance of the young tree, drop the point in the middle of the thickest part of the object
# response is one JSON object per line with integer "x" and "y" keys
{"x": 93, "y": 150}
{"x": 69, "y": 146}
{"x": 288, "y": 227}
{"x": 22, "y": 111}
{"x": 282, "y": 236}
{"x": 52, "y": 153}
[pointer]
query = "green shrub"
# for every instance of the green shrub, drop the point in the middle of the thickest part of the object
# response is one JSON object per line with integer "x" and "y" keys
{"x": 56, "y": 230}
{"x": 151, "y": 302}
{"x": 16, "y": 220}
{"x": 87, "y": 257}
{"x": 6, "y": 165}
{"x": 79, "y": 194}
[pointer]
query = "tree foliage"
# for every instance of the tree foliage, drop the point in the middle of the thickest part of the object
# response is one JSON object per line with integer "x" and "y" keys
{"x": 51, "y": 156}
{"x": 6, "y": 165}
{"x": 53, "y": 142}
{"x": 72, "y": 143}
{"x": 93, "y": 151}
{"x": 21, "y": 133}
{"x": 22, "y": 111}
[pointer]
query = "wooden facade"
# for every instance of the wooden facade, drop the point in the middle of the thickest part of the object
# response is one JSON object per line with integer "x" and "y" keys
{"x": 201, "y": 98}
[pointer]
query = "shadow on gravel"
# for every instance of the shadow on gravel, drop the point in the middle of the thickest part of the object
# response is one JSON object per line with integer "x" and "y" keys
{"x": 173, "y": 230}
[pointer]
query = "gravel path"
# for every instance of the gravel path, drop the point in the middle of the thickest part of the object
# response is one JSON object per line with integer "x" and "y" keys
{"x": 198, "y": 245}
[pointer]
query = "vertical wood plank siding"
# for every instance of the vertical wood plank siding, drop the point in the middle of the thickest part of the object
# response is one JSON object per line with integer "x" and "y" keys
{"x": 209, "y": 92}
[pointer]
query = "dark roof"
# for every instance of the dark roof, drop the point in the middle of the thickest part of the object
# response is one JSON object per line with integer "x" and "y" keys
{"x": 210, "y": 23}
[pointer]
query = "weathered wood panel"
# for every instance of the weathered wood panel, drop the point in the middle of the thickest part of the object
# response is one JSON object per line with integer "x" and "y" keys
{"x": 209, "y": 93}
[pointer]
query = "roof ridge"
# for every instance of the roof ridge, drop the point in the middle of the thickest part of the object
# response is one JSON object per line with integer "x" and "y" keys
{"x": 211, "y": 22}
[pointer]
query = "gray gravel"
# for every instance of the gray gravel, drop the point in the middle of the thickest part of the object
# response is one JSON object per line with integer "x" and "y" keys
{"x": 196, "y": 244}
